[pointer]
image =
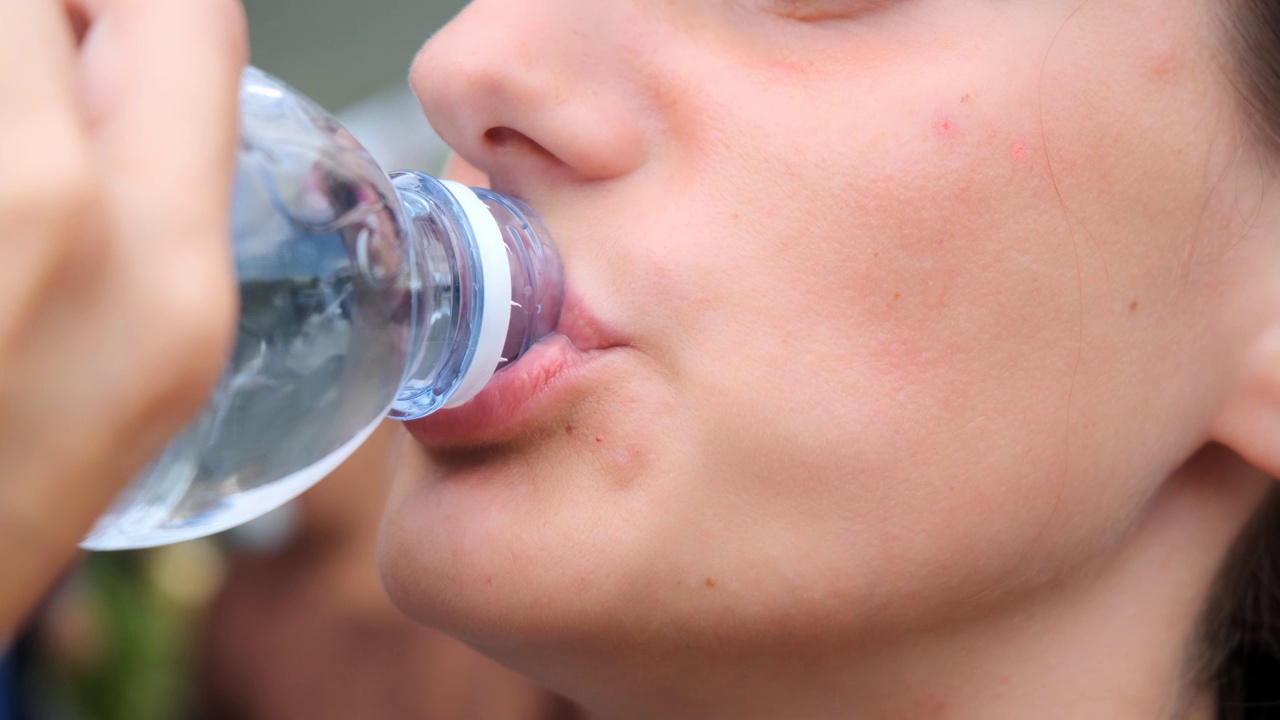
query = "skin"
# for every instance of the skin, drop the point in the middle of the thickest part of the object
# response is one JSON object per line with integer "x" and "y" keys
{"x": 288, "y": 622}
{"x": 950, "y": 363}
{"x": 117, "y": 294}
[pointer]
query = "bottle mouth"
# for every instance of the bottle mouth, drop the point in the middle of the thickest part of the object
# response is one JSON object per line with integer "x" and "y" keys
{"x": 537, "y": 279}
{"x": 488, "y": 286}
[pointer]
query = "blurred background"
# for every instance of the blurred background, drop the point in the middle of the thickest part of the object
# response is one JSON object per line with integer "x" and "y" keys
{"x": 340, "y": 53}
{"x": 353, "y": 58}
{"x": 284, "y": 618}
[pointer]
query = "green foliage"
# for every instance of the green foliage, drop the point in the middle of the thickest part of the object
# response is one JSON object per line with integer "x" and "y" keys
{"x": 129, "y": 655}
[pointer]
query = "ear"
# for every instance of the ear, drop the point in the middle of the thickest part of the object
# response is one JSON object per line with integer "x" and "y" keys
{"x": 1249, "y": 422}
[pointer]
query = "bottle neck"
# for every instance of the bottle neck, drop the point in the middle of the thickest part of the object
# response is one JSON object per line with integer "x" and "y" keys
{"x": 487, "y": 285}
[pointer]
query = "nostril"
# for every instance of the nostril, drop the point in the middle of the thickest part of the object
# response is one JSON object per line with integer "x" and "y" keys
{"x": 505, "y": 138}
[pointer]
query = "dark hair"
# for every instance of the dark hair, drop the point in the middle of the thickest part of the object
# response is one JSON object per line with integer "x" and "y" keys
{"x": 1240, "y": 633}
{"x": 1256, "y": 27}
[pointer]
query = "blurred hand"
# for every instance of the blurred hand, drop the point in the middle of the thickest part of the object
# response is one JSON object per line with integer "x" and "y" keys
{"x": 117, "y": 294}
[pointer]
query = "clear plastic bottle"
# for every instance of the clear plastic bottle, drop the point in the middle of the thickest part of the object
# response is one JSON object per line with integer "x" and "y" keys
{"x": 362, "y": 296}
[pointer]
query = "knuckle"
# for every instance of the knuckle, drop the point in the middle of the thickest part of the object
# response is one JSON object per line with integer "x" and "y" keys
{"x": 57, "y": 224}
{"x": 230, "y": 28}
{"x": 54, "y": 199}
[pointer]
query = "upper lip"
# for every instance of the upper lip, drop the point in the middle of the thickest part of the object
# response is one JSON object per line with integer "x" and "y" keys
{"x": 583, "y": 328}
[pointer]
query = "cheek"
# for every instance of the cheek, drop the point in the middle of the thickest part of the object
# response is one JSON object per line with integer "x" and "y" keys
{"x": 883, "y": 342}
{"x": 503, "y": 545}
{"x": 918, "y": 260}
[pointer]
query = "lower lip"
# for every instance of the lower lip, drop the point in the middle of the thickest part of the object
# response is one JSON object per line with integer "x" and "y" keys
{"x": 512, "y": 401}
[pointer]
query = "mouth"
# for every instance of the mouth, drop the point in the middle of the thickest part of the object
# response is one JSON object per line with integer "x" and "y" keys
{"x": 527, "y": 391}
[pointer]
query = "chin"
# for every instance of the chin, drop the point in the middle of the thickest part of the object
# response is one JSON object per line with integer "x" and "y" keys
{"x": 538, "y": 536}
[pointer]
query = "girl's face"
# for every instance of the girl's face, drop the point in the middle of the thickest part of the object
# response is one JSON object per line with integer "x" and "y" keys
{"x": 909, "y": 307}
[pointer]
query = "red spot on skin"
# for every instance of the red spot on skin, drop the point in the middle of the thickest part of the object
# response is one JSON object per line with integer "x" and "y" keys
{"x": 599, "y": 439}
{"x": 944, "y": 126}
{"x": 1019, "y": 152}
{"x": 1167, "y": 64}
{"x": 710, "y": 583}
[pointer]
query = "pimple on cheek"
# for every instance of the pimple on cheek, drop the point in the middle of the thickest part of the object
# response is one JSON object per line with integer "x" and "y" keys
{"x": 947, "y": 116}
{"x": 946, "y": 125}
{"x": 1165, "y": 65}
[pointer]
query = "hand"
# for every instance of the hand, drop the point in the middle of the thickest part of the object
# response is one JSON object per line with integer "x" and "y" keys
{"x": 117, "y": 294}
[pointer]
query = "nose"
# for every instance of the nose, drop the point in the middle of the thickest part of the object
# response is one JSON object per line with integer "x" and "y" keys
{"x": 532, "y": 88}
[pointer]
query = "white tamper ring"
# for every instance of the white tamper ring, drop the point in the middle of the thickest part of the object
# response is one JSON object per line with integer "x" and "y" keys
{"x": 495, "y": 280}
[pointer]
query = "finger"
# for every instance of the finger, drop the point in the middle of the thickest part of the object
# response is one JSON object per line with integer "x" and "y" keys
{"x": 37, "y": 81}
{"x": 161, "y": 82}
{"x": 78, "y": 17}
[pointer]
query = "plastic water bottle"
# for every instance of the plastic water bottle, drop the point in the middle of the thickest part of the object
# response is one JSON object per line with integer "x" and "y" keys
{"x": 362, "y": 296}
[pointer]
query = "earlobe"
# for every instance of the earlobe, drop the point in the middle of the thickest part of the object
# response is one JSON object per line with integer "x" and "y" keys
{"x": 1249, "y": 422}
